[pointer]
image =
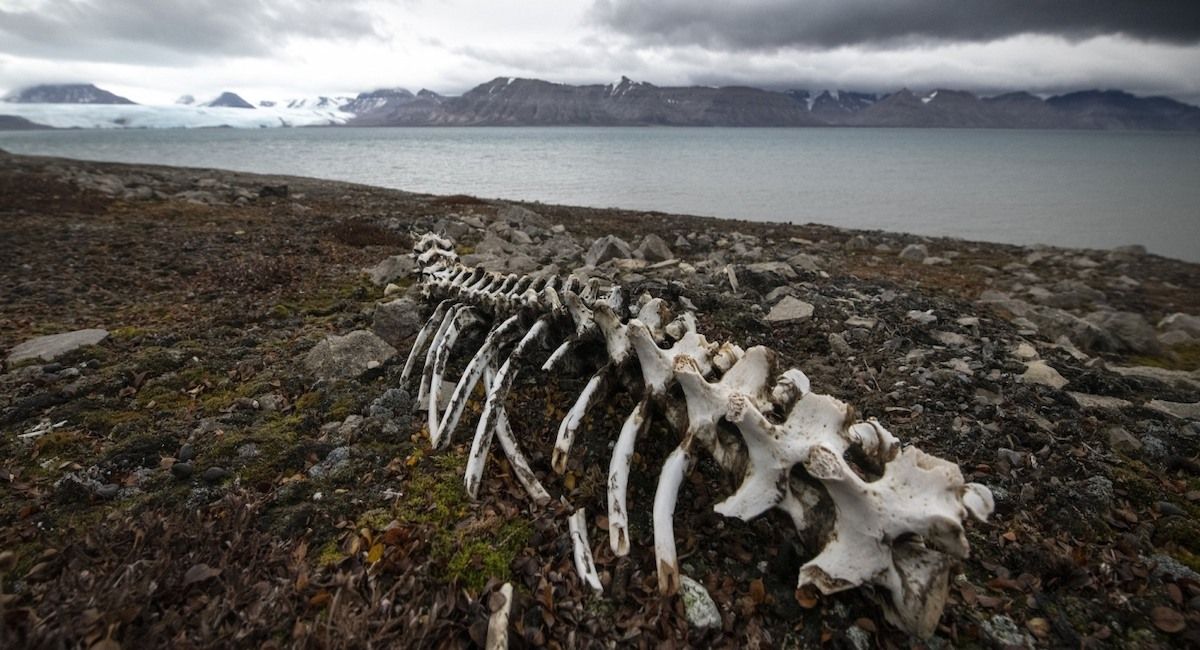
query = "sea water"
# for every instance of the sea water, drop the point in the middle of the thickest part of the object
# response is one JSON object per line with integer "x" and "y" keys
{"x": 1093, "y": 189}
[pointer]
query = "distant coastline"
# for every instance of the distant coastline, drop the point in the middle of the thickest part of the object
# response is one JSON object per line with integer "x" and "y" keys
{"x": 507, "y": 101}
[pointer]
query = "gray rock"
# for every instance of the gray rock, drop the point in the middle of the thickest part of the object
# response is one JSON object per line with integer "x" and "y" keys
{"x": 1131, "y": 249}
{"x": 1039, "y": 372}
{"x": 914, "y": 253}
{"x": 345, "y": 357}
{"x": 108, "y": 491}
{"x": 858, "y": 243}
{"x": 1098, "y": 490}
{"x": 1181, "y": 410}
{"x": 701, "y": 611}
{"x": 214, "y": 475}
{"x": 1175, "y": 337}
{"x": 607, "y": 248}
{"x": 1131, "y": 330}
{"x": 1004, "y": 633}
{"x": 186, "y": 452}
{"x": 788, "y": 310}
{"x": 392, "y": 268}
{"x": 1180, "y": 322}
{"x": 520, "y": 238}
{"x": 50, "y": 347}
{"x": 859, "y": 638}
{"x": 805, "y": 262}
{"x": 1165, "y": 565}
{"x": 839, "y": 346}
{"x": 1098, "y": 402}
{"x": 923, "y": 317}
{"x": 396, "y": 321}
{"x": 1122, "y": 440}
{"x": 182, "y": 470}
{"x": 653, "y": 249}
{"x": 337, "y": 460}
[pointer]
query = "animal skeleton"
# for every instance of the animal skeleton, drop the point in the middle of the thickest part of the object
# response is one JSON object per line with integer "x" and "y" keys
{"x": 901, "y": 530}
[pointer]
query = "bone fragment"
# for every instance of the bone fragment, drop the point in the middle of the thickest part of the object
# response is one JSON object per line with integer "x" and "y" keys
{"x": 585, "y": 566}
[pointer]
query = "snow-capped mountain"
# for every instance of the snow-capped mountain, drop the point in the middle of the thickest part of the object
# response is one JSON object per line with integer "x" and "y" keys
{"x": 65, "y": 94}
{"x": 531, "y": 102}
{"x": 229, "y": 100}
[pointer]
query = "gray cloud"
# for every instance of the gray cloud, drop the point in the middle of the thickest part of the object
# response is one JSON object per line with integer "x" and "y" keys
{"x": 174, "y": 31}
{"x": 812, "y": 24}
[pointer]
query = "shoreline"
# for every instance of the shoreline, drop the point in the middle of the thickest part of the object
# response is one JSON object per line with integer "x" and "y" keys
{"x": 196, "y": 433}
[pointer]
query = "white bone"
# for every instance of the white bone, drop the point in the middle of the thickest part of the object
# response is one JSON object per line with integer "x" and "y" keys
{"x": 497, "y": 630}
{"x": 419, "y": 343}
{"x": 585, "y": 566}
{"x": 574, "y": 418}
{"x": 665, "y": 497}
{"x": 463, "y": 319}
{"x": 470, "y": 378}
{"x": 618, "y": 478}
{"x": 497, "y": 391}
{"x": 512, "y": 451}
{"x": 431, "y": 356}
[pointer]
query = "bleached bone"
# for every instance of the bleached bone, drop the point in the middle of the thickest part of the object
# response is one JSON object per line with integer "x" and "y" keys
{"x": 584, "y": 564}
{"x": 785, "y": 446}
{"x": 497, "y": 630}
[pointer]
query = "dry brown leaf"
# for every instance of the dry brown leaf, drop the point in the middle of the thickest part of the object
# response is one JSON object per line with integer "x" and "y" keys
{"x": 199, "y": 573}
{"x": 1039, "y": 626}
{"x": 758, "y": 591}
{"x": 1168, "y": 620}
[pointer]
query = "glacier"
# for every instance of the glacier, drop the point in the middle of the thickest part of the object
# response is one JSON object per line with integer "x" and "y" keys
{"x": 178, "y": 116}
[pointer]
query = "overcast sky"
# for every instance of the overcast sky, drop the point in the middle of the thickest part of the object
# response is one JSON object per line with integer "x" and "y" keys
{"x": 152, "y": 51}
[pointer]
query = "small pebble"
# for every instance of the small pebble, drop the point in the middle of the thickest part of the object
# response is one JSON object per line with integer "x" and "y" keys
{"x": 186, "y": 453}
{"x": 1169, "y": 509}
{"x": 182, "y": 470}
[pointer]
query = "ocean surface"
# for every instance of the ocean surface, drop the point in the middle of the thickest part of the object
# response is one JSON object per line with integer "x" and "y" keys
{"x": 1070, "y": 188}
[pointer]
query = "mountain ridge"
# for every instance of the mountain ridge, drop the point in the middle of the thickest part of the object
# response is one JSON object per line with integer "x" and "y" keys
{"x": 514, "y": 101}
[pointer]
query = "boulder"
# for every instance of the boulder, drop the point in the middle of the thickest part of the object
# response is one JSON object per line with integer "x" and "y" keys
{"x": 858, "y": 243}
{"x": 49, "y": 348}
{"x": 396, "y": 321}
{"x": 349, "y": 356}
{"x": 1179, "y": 322}
{"x": 392, "y": 268}
{"x": 914, "y": 253}
{"x": 653, "y": 249}
{"x": 1130, "y": 330}
{"x": 788, "y": 310}
{"x": 607, "y": 248}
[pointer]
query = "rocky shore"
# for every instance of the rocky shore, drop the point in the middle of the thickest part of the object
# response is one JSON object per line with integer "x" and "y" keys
{"x": 202, "y": 443}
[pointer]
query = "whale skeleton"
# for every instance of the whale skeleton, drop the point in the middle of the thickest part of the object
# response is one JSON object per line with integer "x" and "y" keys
{"x": 896, "y": 527}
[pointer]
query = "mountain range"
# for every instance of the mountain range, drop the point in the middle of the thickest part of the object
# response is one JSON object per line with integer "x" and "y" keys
{"x": 507, "y": 101}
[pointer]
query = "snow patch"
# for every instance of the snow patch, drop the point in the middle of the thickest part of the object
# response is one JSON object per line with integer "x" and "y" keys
{"x": 134, "y": 116}
{"x": 926, "y": 100}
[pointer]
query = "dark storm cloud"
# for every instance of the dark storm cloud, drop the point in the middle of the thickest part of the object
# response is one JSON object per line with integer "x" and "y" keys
{"x": 162, "y": 31}
{"x": 811, "y": 24}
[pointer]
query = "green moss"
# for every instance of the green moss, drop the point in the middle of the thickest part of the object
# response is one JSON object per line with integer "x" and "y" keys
{"x": 1180, "y": 357}
{"x": 469, "y": 552}
{"x": 488, "y": 555}
{"x": 128, "y": 333}
{"x": 330, "y": 554}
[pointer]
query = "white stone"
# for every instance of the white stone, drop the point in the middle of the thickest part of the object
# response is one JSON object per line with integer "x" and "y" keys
{"x": 1039, "y": 372}
{"x": 48, "y": 348}
{"x": 701, "y": 611}
{"x": 788, "y": 310}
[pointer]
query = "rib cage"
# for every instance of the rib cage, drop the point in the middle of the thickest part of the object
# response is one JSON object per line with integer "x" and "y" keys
{"x": 900, "y": 532}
